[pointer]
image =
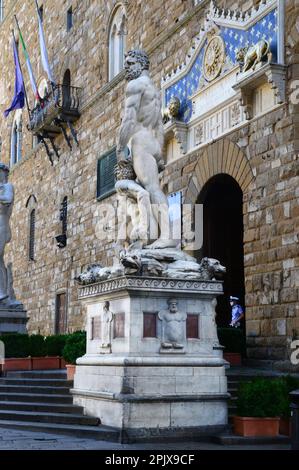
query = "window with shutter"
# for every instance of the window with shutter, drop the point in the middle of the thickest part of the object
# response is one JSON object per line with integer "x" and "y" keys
{"x": 69, "y": 19}
{"x": 32, "y": 235}
{"x": 106, "y": 180}
{"x": 63, "y": 215}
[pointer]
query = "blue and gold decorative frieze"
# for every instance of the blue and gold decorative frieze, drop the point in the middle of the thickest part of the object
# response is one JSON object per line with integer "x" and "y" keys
{"x": 236, "y": 31}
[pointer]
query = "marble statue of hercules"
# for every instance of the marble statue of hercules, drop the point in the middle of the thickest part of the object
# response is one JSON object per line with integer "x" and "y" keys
{"x": 6, "y": 205}
{"x": 142, "y": 126}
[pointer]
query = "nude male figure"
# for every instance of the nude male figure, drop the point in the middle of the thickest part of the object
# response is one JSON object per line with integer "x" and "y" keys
{"x": 6, "y": 205}
{"x": 142, "y": 126}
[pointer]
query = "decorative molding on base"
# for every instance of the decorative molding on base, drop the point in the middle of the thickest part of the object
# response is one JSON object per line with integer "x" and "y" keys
{"x": 151, "y": 361}
{"x": 151, "y": 284}
{"x": 123, "y": 397}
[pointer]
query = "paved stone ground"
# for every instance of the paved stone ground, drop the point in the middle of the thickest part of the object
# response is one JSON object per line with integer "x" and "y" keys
{"x": 19, "y": 440}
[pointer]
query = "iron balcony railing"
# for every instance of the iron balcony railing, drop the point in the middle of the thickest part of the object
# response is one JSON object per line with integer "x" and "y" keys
{"x": 61, "y": 103}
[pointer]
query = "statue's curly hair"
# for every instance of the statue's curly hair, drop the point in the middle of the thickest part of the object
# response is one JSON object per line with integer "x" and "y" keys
{"x": 4, "y": 167}
{"x": 141, "y": 56}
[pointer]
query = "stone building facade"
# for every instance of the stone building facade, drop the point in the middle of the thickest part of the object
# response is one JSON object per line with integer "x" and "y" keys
{"x": 236, "y": 136}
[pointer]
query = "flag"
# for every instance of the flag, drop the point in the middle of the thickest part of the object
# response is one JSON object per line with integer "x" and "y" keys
{"x": 29, "y": 68}
{"x": 18, "y": 101}
{"x": 43, "y": 48}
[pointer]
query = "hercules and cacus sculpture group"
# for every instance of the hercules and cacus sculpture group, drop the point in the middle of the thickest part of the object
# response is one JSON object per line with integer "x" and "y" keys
{"x": 139, "y": 190}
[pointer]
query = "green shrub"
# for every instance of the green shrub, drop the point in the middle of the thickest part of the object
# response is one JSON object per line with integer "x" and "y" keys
{"x": 290, "y": 383}
{"x": 23, "y": 345}
{"x": 37, "y": 346}
{"x": 16, "y": 345}
{"x": 55, "y": 344}
{"x": 233, "y": 339}
{"x": 75, "y": 347}
{"x": 261, "y": 398}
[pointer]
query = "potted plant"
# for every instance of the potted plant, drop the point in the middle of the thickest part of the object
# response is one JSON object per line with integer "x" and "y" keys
{"x": 75, "y": 347}
{"x": 259, "y": 407}
{"x": 291, "y": 383}
{"x": 33, "y": 352}
{"x": 17, "y": 352}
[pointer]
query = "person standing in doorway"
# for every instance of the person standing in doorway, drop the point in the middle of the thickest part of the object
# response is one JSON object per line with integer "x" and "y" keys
{"x": 237, "y": 312}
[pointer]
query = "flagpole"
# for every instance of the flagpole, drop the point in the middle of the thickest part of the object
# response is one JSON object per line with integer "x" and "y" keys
{"x": 28, "y": 63}
{"x": 25, "y": 92}
{"x": 37, "y": 6}
{"x": 39, "y": 16}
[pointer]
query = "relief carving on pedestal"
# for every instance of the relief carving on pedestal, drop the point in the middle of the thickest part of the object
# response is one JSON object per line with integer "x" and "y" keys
{"x": 107, "y": 318}
{"x": 173, "y": 327}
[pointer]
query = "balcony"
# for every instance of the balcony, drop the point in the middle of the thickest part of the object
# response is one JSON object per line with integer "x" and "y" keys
{"x": 58, "y": 110}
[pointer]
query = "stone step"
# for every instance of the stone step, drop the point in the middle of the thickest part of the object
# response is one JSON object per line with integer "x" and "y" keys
{"x": 36, "y": 397}
{"x": 102, "y": 433}
{"x": 33, "y": 389}
{"x": 232, "y": 440}
{"x": 43, "y": 407}
{"x": 37, "y": 382}
{"x": 54, "y": 418}
{"x": 37, "y": 374}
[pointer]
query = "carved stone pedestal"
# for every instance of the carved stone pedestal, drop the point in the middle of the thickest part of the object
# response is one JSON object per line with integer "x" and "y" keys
{"x": 12, "y": 320}
{"x": 153, "y": 366}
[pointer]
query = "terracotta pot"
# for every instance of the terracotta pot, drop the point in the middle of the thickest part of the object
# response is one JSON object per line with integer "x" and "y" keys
{"x": 70, "y": 371}
{"x": 253, "y": 427}
{"x": 45, "y": 363}
{"x": 62, "y": 363}
{"x": 235, "y": 359}
{"x": 18, "y": 363}
{"x": 285, "y": 426}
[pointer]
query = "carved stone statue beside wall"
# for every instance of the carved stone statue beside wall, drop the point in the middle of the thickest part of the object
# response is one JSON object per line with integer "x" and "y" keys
{"x": 6, "y": 205}
{"x": 13, "y": 318}
{"x": 7, "y": 296}
{"x": 140, "y": 194}
{"x": 154, "y": 364}
{"x": 142, "y": 129}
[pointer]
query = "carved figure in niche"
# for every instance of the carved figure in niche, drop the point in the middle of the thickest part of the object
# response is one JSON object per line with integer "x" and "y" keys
{"x": 173, "y": 326}
{"x": 107, "y": 318}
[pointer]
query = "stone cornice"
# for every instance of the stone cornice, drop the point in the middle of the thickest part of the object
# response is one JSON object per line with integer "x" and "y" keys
{"x": 151, "y": 284}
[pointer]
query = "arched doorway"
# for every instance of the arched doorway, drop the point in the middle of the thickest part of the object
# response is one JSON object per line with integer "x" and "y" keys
{"x": 222, "y": 200}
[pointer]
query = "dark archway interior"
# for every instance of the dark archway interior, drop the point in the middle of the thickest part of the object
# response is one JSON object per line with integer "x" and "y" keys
{"x": 222, "y": 201}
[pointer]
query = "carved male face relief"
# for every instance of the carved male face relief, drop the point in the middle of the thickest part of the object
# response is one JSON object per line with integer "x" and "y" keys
{"x": 173, "y": 306}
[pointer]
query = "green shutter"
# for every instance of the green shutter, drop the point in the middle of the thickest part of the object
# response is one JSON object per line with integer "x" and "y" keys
{"x": 106, "y": 181}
